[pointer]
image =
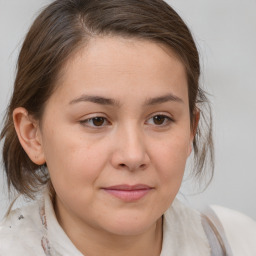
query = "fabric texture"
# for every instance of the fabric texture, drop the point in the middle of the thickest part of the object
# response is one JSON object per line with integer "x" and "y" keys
{"x": 215, "y": 233}
{"x": 34, "y": 230}
{"x": 240, "y": 231}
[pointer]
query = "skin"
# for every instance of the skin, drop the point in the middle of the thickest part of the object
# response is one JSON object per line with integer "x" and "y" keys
{"x": 143, "y": 137}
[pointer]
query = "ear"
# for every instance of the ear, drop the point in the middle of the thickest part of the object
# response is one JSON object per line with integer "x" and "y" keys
{"x": 194, "y": 126}
{"x": 27, "y": 129}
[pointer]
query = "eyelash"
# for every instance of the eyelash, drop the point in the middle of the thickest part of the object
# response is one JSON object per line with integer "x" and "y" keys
{"x": 89, "y": 122}
{"x": 167, "y": 120}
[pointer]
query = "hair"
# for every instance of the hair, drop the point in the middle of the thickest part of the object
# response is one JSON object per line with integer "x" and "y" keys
{"x": 59, "y": 31}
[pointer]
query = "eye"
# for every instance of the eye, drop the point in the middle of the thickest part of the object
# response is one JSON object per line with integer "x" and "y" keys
{"x": 97, "y": 121}
{"x": 159, "y": 120}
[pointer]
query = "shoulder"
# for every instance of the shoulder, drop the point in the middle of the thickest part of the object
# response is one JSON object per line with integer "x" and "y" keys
{"x": 183, "y": 233}
{"x": 240, "y": 230}
{"x": 20, "y": 232}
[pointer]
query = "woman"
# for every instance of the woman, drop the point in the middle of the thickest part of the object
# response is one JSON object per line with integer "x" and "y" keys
{"x": 104, "y": 114}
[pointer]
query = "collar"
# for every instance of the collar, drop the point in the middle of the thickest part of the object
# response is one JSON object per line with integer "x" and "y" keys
{"x": 183, "y": 232}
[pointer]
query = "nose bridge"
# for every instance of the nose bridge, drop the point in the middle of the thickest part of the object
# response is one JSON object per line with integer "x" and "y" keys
{"x": 131, "y": 150}
{"x": 133, "y": 140}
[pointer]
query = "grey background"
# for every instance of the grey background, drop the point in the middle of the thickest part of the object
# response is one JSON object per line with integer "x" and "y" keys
{"x": 225, "y": 32}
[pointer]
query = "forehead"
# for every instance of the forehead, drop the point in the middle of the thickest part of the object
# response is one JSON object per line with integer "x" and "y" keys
{"x": 110, "y": 64}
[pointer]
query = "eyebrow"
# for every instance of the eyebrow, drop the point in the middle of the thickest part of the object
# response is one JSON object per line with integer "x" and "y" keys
{"x": 95, "y": 99}
{"x": 163, "y": 99}
{"x": 107, "y": 101}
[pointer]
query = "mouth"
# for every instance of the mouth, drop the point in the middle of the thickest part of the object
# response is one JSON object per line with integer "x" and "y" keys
{"x": 128, "y": 193}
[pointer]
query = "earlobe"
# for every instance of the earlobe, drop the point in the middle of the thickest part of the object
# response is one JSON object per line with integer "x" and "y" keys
{"x": 29, "y": 135}
{"x": 194, "y": 127}
{"x": 190, "y": 147}
{"x": 195, "y": 122}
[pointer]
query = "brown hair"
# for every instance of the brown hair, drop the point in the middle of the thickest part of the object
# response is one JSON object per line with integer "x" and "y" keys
{"x": 60, "y": 30}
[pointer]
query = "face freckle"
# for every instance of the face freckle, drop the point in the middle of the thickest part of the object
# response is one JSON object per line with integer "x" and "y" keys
{"x": 129, "y": 168}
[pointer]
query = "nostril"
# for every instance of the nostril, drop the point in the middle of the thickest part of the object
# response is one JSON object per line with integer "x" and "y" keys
{"x": 143, "y": 166}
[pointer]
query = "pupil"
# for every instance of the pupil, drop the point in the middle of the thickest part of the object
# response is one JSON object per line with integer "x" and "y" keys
{"x": 158, "y": 119}
{"x": 98, "y": 121}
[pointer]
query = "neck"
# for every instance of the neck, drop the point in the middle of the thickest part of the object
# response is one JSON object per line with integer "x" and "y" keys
{"x": 149, "y": 243}
{"x": 92, "y": 242}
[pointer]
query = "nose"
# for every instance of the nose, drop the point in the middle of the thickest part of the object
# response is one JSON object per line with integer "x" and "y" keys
{"x": 130, "y": 150}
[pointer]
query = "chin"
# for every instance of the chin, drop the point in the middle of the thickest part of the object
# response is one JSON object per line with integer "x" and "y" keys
{"x": 131, "y": 226}
{"x": 129, "y": 230}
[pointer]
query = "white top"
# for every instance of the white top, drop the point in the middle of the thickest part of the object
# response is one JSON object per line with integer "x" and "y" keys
{"x": 34, "y": 230}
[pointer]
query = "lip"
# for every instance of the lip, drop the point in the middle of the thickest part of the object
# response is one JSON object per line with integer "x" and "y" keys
{"x": 128, "y": 193}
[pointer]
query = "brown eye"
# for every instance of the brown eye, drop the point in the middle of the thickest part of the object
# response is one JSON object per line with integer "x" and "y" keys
{"x": 95, "y": 122}
{"x": 159, "y": 120}
{"x": 98, "y": 121}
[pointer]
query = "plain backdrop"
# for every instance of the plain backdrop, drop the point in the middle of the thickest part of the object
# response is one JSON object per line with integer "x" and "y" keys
{"x": 225, "y": 32}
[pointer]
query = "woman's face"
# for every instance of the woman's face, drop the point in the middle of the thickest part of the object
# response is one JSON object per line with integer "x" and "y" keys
{"x": 116, "y": 135}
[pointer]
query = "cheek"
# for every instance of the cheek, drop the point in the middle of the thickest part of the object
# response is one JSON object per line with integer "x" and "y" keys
{"x": 172, "y": 154}
{"x": 169, "y": 158}
{"x": 72, "y": 159}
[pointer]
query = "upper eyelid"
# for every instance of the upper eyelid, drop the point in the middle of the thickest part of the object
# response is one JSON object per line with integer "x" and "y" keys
{"x": 167, "y": 122}
{"x": 108, "y": 119}
{"x": 165, "y": 116}
{"x": 94, "y": 115}
{"x": 160, "y": 114}
{"x": 90, "y": 118}
{"x": 85, "y": 122}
